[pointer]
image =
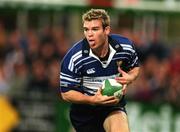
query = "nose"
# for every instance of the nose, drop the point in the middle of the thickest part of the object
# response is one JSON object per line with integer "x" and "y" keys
{"x": 89, "y": 33}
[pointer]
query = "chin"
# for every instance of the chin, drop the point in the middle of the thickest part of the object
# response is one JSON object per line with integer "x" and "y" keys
{"x": 92, "y": 46}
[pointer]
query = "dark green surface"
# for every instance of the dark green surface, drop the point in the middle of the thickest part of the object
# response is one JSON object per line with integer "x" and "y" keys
{"x": 63, "y": 122}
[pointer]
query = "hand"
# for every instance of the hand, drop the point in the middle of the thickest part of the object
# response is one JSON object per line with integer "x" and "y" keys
{"x": 99, "y": 99}
{"x": 125, "y": 78}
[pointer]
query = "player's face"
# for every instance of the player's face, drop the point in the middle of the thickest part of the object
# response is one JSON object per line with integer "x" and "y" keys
{"x": 95, "y": 34}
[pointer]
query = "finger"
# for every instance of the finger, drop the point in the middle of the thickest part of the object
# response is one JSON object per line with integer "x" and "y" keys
{"x": 121, "y": 80}
{"x": 99, "y": 91}
{"x": 120, "y": 70}
{"x": 111, "y": 102}
{"x": 107, "y": 98}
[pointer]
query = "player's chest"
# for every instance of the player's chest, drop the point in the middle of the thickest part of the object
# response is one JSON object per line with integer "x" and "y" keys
{"x": 97, "y": 68}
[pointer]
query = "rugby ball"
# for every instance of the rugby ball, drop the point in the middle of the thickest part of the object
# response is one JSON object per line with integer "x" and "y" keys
{"x": 111, "y": 87}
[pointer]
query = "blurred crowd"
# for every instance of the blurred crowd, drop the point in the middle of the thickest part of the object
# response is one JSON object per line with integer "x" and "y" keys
{"x": 29, "y": 75}
{"x": 31, "y": 62}
{"x": 159, "y": 78}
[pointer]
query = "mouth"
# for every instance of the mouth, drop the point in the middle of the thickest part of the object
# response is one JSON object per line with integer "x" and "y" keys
{"x": 92, "y": 42}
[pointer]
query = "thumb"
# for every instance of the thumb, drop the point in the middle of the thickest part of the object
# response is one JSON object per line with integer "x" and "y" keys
{"x": 99, "y": 91}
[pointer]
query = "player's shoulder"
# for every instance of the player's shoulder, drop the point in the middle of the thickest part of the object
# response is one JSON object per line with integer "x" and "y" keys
{"x": 75, "y": 50}
{"x": 121, "y": 39}
{"x": 76, "y": 47}
{"x": 124, "y": 43}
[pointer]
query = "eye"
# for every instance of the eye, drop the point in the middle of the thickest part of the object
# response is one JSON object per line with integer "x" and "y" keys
{"x": 95, "y": 29}
{"x": 85, "y": 29}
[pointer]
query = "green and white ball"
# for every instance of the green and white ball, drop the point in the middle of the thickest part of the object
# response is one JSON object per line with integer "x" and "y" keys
{"x": 111, "y": 87}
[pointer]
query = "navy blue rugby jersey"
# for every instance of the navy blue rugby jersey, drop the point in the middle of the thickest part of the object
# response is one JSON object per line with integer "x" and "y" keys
{"x": 83, "y": 71}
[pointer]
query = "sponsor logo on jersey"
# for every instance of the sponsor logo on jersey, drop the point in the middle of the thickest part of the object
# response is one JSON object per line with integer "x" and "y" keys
{"x": 91, "y": 71}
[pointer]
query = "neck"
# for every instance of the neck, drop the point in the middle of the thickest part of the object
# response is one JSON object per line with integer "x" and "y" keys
{"x": 105, "y": 57}
{"x": 104, "y": 51}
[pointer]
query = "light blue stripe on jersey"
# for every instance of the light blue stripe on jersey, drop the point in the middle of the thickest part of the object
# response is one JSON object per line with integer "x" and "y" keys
{"x": 69, "y": 78}
{"x": 87, "y": 63}
{"x": 128, "y": 47}
{"x": 135, "y": 61}
{"x": 82, "y": 60}
{"x": 123, "y": 53}
{"x": 73, "y": 59}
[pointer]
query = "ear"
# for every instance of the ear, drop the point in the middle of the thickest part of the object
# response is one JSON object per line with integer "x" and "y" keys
{"x": 107, "y": 30}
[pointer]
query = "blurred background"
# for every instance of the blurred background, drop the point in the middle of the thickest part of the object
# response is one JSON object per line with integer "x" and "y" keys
{"x": 35, "y": 35}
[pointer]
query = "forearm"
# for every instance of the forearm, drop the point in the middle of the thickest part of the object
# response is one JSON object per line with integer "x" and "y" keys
{"x": 134, "y": 73}
{"x": 97, "y": 99}
{"x": 77, "y": 97}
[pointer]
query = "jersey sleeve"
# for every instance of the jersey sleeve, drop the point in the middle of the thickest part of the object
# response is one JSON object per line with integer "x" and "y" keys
{"x": 134, "y": 61}
{"x": 70, "y": 79}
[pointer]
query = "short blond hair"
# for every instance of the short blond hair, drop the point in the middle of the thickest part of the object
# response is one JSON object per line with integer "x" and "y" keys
{"x": 94, "y": 14}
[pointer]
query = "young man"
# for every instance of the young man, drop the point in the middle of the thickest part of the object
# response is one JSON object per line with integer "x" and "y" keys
{"x": 99, "y": 56}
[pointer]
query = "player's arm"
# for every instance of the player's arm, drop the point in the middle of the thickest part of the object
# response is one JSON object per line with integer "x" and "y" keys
{"x": 134, "y": 73}
{"x": 79, "y": 98}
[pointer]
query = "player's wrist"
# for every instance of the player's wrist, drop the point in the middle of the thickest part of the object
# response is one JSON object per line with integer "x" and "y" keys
{"x": 130, "y": 78}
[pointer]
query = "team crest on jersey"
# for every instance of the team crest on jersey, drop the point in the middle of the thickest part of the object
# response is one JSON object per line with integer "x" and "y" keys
{"x": 91, "y": 71}
{"x": 119, "y": 63}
